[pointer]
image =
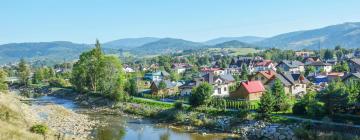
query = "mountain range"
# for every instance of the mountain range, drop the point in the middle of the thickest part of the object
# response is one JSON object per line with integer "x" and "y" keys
{"x": 347, "y": 35}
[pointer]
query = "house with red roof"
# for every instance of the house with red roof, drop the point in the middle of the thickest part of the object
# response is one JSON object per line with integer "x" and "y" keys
{"x": 263, "y": 66}
{"x": 249, "y": 90}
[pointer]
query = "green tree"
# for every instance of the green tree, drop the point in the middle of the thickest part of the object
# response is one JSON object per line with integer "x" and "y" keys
{"x": 98, "y": 73}
{"x": 162, "y": 85}
{"x": 309, "y": 69}
{"x": 201, "y": 95}
{"x": 38, "y": 76}
{"x": 267, "y": 103}
{"x": 23, "y": 72}
{"x": 328, "y": 54}
{"x": 334, "y": 97}
{"x": 341, "y": 67}
{"x": 244, "y": 72}
{"x": 174, "y": 76}
{"x": 132, "y": 88}
{"x": 281, "y": 99}
{"x": 3, "y": 76}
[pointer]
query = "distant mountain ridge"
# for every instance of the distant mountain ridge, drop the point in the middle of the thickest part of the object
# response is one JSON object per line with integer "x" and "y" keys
{"x": 129, "y": 43}
{"x": 245, "y": 39}
{"x": 346, "y": 35}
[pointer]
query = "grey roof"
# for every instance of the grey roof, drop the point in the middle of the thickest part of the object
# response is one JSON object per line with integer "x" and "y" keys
{"x": 227, "y": 77}
{"x": 319, "y": 63}
{"x": 292, "y": 64}
{"x": 168, "y": 83}
{"x": 291, "y": 78}
{"x": 356, "y": 61}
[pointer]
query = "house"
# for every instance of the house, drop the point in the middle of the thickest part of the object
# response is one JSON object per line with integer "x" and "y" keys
{"x": 238, "y": 62}
{"x": 294, "y": 83}
{"x": 304, "y": 54}
{"x": 186, "y": 89}
{"x": 221, "y": 83}
{"x": 249, "y": 90}
{"x": 215, "y": 71}
{"x": 320, "y": 66}
{"x": 128, "y": 70}
{"x": 264, "y": 76}
{"x": 263, "y": 66}
{"x": 354, "y": 65}
{"x": 170, "y": 87}
{"x": 352, "y": 76}
{"x": 291, "y": 66}
{"x": 156, "y": 76}
{"x": 180, "y": 67}
{"x": 309, "y": 60}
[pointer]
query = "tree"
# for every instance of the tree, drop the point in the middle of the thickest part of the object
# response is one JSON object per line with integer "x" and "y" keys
{"x": 23, "y": 72}
{"x": 162, "y": 85}
{"x": 38, "y": 76}
{"x": 97, "y": 73}
{"x": 328, "y": 54}
{"x": 132, "y": 88}
{"x": 3, "y": 76}
{"x": 281, "y": 100}
{"x": 267, "y": 103}
{"x": 334, "y": 97}
{"x": 174, "y": 76}
{"x": 309, "y": 69}
{"x": 244, "y": 72}
{"x": 201, "y": 95}
{"x": 341, "y": 67}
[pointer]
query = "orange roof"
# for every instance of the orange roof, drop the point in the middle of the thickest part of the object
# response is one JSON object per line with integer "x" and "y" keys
{"x": 253, "y": 86}
{"x": 269, "y": 74}
{"x": 264, "y": 63}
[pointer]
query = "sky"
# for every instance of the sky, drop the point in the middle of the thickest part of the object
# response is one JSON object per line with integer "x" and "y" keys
{"x": 83, "y": 21}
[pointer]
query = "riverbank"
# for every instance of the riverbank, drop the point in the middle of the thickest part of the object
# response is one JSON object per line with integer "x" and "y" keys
{"x": 61, "y": 121}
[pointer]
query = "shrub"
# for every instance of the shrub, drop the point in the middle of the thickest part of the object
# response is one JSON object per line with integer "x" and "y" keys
{"x": 58, "y": 82}
{"x": 299, "y": 108}
{"x": 178, "y": 105}
{"x": 39, "y": 129}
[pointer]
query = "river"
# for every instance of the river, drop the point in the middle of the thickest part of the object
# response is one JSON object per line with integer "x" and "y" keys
{"x": 126, "y": 128}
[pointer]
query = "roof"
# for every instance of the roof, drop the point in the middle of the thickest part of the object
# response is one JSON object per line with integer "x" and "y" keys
{"x": 253, "y": 86}
{"x": 210, "y": 69}
{"x": 180, "y": 65}
{"x": 189, "y": 84}
{"x": 264, "y": 63}
{"x": 356, "y": 75}
{"x": 168, "y": 83}
{"x": 319, "y": 63}
{"x": 312, "y": 59}
{"x": 292, "y": 78}
{"x": 268, "y": 74}
{"x": 355, "y": 60}
{"x": 227, "y": 77}
{"x": 292, "y": 64}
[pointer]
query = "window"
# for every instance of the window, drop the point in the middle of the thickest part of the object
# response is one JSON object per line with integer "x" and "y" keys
{"x": 219, "y": 90}
{"x": 224, "y": 88}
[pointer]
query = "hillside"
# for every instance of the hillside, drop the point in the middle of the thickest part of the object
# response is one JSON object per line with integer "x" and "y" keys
{"x": 129, "y": 43}
{"x": 166, "y": 45}
{"x": 245, "y": 39}
{"x": 347, "y": 35}
{"x": 233, "y": 44}
{"x": 56, "y": 51}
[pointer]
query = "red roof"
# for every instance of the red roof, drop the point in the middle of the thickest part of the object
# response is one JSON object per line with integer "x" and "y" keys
{"x": 210, "y": 69}
{"x": 253, "y": 86}
{"x": 264, "y": 63}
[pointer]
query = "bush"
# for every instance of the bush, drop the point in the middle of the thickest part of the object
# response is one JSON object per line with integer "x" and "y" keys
{"x": 39, "y": 129}
{"x": 299, "y": 108}
{"x": 178, "y": 105}
{"x": 59, "y": 82}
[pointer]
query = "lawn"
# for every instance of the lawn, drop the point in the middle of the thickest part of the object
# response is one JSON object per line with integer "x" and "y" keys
{"x": 234, "y": 51}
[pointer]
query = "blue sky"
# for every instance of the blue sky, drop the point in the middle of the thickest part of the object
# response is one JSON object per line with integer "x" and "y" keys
{"x": 83, "y": 21}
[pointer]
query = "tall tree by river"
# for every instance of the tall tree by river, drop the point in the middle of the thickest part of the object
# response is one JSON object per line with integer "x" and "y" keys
{"x": 23, "y": 72}
{"x": 97, "y": 73}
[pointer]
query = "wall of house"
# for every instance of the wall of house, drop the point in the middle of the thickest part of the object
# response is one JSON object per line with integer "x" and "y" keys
{"x": 298, "y": 89}
{"x": 221, "y": 90}
{"x": 180, "y": 70}
{"x": 255, "y": 96}
{"x": 259, "y": 77}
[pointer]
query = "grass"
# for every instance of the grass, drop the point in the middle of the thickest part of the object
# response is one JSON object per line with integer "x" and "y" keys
{"x": 235, "y": 51}
{"x": 14, "y": 124}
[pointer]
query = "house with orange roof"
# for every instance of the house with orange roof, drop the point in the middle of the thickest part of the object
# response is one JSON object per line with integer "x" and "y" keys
{"x": 249, "y": 90}
{"x": 264, "y": 76}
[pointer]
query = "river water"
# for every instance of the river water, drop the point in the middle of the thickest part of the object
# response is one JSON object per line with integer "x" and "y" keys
{"x": 125, "y": 128}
